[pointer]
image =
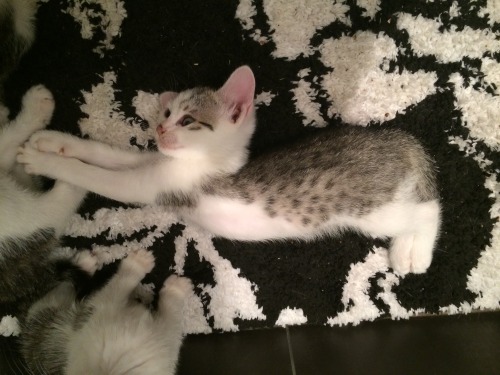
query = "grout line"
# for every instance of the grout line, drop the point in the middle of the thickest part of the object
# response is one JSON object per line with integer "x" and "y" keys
{"x": 290, "y": 351}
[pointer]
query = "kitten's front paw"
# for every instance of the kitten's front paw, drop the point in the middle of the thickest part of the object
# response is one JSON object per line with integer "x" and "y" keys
{"x": 38, "y": 105}
{"x": 177, "y": 285}
{"x": 49, "y": 141}
{"x": 142, "y": 259}
{"x": 31, "y": 158}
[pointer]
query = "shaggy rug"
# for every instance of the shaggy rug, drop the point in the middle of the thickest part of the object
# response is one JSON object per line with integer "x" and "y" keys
{"x": 430, "y": 67}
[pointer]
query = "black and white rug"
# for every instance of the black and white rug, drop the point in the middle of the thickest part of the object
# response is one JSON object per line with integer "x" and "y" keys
{"x": 429, "y": 67}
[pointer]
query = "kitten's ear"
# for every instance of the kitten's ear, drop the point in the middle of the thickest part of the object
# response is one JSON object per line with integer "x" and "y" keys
{"x": 238, "y": 93}
{"x": 166, "y": 97}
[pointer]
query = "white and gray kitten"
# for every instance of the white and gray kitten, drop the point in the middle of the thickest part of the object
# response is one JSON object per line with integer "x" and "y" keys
{"x": 379, "y": 182}
{"x": 106, "y": 333}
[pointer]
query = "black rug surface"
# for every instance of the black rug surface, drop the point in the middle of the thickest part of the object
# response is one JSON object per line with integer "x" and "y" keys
{"x": 430, "y": 68}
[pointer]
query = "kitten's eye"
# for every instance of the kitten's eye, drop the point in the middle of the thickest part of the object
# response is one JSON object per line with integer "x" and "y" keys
{"x": 186, "y": 120}
{"x": 167, "y": 113}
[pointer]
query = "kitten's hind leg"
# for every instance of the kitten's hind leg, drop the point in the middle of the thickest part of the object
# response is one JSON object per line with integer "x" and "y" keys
{"x": 36, "y": 112}
{"x": 172, "y": 297}
{"x": 131, "y": 271}
{"x": 412, "y": 251}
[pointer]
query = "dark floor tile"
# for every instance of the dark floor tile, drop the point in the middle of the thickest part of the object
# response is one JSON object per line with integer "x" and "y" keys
{"x": 244, "y": 353}
{"x": 457, "y": 345}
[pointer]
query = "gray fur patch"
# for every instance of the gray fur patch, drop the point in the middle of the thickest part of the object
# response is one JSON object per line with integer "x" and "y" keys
{"x": 175, "y": 200}
{"x": 39, "y": 337}
{"x": 22, "y": 260}
{"x": 346, "y": 171}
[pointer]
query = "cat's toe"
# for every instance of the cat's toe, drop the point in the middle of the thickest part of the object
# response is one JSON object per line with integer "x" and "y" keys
{"x": 22, "y": 156}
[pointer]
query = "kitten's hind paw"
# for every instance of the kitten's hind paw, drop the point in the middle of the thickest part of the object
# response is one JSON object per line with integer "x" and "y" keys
{"x": 177, "y": 285}
{"x": 408, "y": 254}
{"x": 142, "y": 259}
{"x": 38, "y": 106}
{"x": 87, "y": 261}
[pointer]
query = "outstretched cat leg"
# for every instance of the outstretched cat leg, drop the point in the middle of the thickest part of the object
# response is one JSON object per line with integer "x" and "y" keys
{"x": 36, "y": 112}
{"x": 171, "y": 304}
{"x": 140, "y": 185}
{"x": 131, "y": 271}
{"x": 412, "y": 251}
{"x": 172, "y": 298}
{"x": 88, "y": 151}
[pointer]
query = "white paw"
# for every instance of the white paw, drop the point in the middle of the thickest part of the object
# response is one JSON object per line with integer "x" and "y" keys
{"x": 177, "y": 285}
{"x": 38, "y": 105}
{"x": 400, "y": 254}
{"x": 420, "y": 262}
{"x": 49, "y": 141}
{"x": 408, "y": 254}
{"x": 87, "y": 261}
{"x": 142, "y": 259}
{"x": 31, "y": 159}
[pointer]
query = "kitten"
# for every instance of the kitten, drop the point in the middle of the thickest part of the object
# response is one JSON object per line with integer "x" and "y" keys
{"x": 108, "y": 332}
{"x": 17, "y": 32}
{"x": 379, "y": 182}
{"x": 31, "y": 221}
{"x": 104, "y": 334}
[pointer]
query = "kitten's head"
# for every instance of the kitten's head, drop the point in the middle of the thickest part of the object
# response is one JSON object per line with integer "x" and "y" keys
{"x": 202, "y": 122}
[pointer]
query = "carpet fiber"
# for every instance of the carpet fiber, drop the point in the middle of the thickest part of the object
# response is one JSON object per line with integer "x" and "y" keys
{"x": 428, "y": 67}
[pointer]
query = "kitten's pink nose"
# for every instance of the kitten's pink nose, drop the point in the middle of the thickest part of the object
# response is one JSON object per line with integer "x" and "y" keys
{"x": 160, "y": 130}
